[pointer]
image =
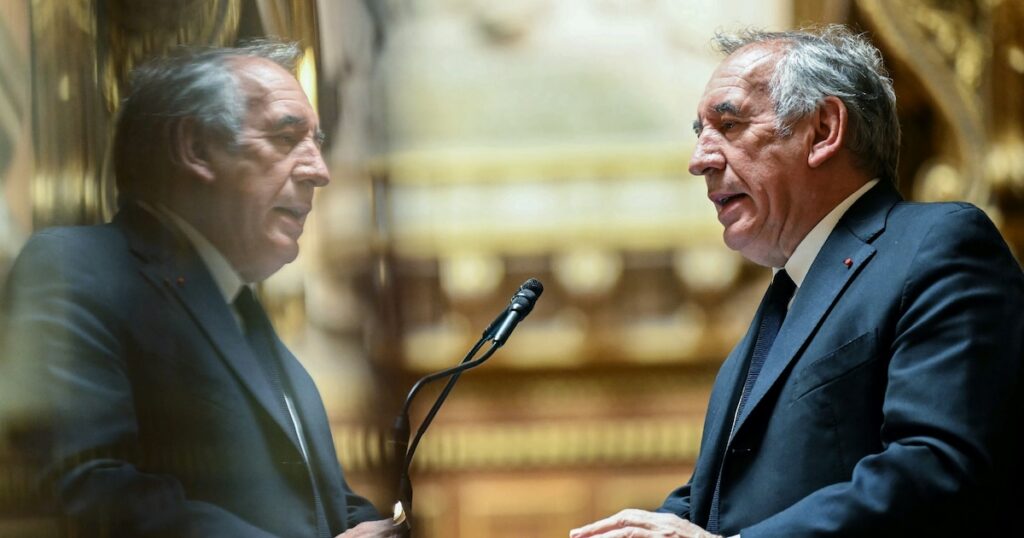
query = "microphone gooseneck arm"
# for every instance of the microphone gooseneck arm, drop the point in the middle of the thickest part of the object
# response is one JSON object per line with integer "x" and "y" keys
{"x": 400, "y": 429}
{"x": 442, "y": 397}
{"x": 497, "y": 332}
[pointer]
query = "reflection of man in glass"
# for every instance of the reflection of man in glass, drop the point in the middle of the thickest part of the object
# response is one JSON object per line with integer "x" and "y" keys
{"x": 878, "y": 390}
{"x": 174, "y": 409}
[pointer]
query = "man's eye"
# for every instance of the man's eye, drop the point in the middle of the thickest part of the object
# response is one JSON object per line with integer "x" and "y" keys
{"x": 727, "y": 125}
{"x": 286, "y": 139}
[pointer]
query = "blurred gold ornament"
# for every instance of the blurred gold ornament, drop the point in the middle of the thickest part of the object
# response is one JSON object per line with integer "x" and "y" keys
{"x": 588, "y": 271}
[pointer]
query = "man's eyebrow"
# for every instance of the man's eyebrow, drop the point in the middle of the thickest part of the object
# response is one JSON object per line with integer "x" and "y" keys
{"x": 292, "y": 121}
{"x": 726, "y": 108}
{"x": 289, "y": 120}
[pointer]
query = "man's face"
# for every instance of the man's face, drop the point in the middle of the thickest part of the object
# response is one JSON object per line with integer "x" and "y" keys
{"x": 262, "y": 190}
{"x": 754, "y": 178}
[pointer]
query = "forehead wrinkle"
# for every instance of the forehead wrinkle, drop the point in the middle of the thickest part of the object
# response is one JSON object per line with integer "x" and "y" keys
{"x": 761, "y": 63}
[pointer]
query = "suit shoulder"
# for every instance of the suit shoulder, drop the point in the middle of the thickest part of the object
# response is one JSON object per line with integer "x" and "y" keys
{"x": 82, "y": 243}
{"x": 953, "y": 233}
{"x": 71, "y": 253}
{"x": 946, "y": 220}
{"x": 70, "y": 236}
{"x": 907, "y": 210}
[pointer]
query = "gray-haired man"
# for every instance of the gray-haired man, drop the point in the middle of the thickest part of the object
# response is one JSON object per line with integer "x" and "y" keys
{"x": 878, "y": 389}
{"x": 174, "y": 409}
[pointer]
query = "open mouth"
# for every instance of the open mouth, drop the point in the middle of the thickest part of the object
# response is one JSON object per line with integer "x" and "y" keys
{"x": 722, "y": 201}
{"x": 297, "y": 214}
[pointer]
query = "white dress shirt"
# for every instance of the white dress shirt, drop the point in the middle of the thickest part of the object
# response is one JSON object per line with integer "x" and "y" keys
{"x": 805, "y": 252}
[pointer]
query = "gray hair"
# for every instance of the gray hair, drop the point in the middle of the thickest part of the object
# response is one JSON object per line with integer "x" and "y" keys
{"x": 832, "y": 61}
{"x": 194, "y": 83}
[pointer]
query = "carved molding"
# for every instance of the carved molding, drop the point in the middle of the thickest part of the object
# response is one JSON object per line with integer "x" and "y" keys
{"x": 83, "y": 51}
{"x": 945, "y": 45}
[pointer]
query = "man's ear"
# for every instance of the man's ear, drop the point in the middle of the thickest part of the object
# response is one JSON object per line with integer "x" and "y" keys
{"x": 829, "y": 125}
{"x": 190, "y": 149}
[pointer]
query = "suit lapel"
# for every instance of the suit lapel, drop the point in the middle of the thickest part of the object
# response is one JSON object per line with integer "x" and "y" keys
{"x": 323, "y": 457}
{"x": 725, "y": 394}
{"x": 719, "y": 421}
{"x": 824, "y": 284}
{"x": 170, "y": 262}
{"x": 310, "y": 409}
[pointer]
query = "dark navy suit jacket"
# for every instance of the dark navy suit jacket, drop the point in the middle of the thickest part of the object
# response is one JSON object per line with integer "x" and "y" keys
{"x": 891, "y": 400}
{"x": 161, "y": 419}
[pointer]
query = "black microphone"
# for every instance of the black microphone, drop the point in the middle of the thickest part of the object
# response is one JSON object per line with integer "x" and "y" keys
{"x": 497, "y": 332}
{"x": 519, "y": 307}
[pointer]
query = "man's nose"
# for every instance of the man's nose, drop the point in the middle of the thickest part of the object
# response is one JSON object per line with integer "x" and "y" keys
{"x": 311, "y": 166}
{"x": 707, "y": 157}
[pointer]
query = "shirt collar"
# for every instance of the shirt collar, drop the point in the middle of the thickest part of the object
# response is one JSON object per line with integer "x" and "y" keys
{"x": 803, "y": 256}
{"x": 228, "y": 281}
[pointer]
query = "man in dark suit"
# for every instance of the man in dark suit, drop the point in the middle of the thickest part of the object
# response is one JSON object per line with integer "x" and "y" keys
{"x": 171, "y": 407}
{"x": 878, "y": 390}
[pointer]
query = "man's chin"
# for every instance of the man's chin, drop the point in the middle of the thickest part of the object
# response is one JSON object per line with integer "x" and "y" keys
{"x": 284, "y": 257}
{"x": 266, "y": 267}
{"x": 735, "y": 240}
{"x": 749, "y": 249}
{"x": 761, "y": 256}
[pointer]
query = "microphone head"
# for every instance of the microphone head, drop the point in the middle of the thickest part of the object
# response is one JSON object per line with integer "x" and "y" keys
{"x": 527, "y": 295}
{"x": 533, "y": 285}
{"x": 520, "y": 306}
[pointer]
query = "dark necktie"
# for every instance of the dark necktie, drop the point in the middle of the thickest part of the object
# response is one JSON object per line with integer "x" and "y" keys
{"x": 775, "y": 308}
{"x": 259, "y": 333}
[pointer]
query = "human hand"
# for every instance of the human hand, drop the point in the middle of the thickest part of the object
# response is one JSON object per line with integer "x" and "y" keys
{"x": 384, "y": 528}
{"x": 633, "y": 523}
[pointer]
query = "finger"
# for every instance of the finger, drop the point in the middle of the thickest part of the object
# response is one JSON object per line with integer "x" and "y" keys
{"x": 626, "y": 519}
{"x": 597, "y": 527}
{"x": 630, "y": 532}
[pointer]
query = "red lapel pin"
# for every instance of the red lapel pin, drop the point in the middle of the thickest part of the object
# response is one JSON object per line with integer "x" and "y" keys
{"x": 848, "y": 262}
